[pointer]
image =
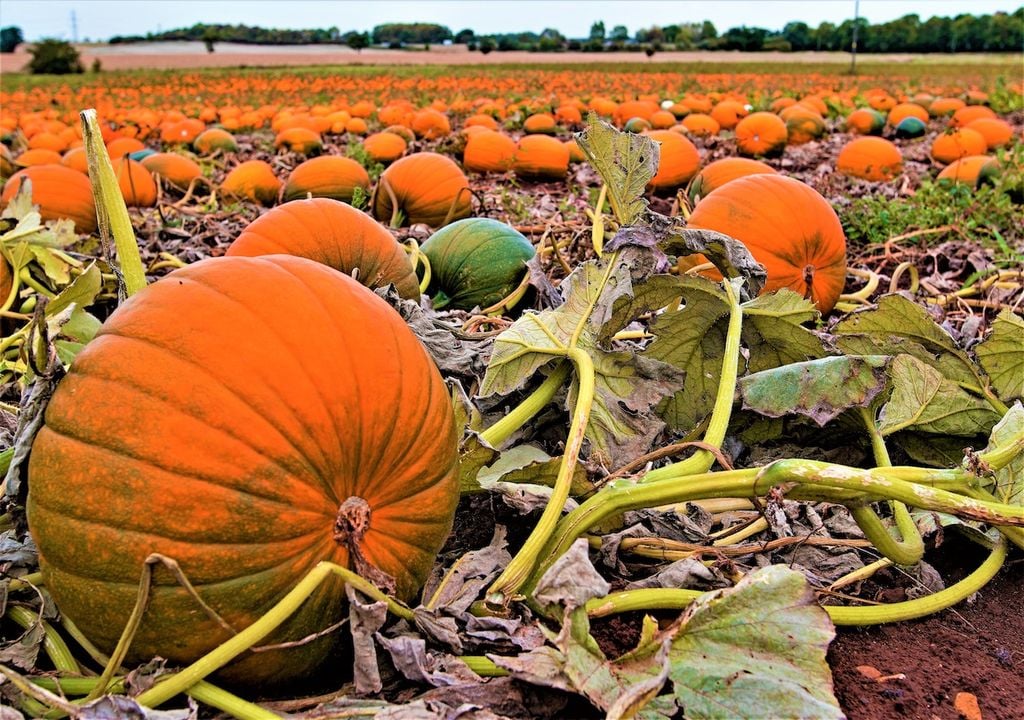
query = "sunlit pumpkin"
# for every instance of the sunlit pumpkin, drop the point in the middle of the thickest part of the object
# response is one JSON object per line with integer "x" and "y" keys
{"x": 788, "y": 227}
{"x": 253, "y": 180}
{"x": 176, "y": 169}
{"x": 679, "y": 160}
{"x": 720, "y": 172}
{"x": 429, "y": 188}
{"x": 336, "y": 235}
{"x": 957, "y": 143}
{"x": 541, "y": 157}
{"x": 761, "y": 133}
{"x": 249, "y": 418}
{"x": 489, "y": 152}
{"x": 329, "y": 176}
{"x": 870, "y": 158}
{"x": 60, "y": 192}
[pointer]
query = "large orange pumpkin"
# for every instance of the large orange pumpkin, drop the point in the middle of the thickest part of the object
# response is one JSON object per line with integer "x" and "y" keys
{"x": 762, "y": 133}
{"x": 541, "y": 157}
{"x": 679, "y": 160}
{"x": 329, "y": 176}
{"x": 428, "y": 188}
{"x": 252, "y": 180}
{"x": 870, "y": 158}
{"x": 336, "y": 235}
{"x": 722, "y": 171}
{"x": 249, "y": 418}
{"x": 788, "y": 227}
{"x": 60, "y": 192}
{"x": 38, "y": 156}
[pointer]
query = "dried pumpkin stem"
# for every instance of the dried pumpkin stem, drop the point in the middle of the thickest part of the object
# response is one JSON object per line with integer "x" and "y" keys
{"x": 702, "y": 460}
{"x": 536, "y": 401}
{"x": 111, "y": 211}
{"x": 250, "y": 636}
{"x": 523, "y": 564}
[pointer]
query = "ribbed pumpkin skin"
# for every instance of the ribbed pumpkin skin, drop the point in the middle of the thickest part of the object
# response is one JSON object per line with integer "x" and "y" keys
{"x": 253, "y": 180}
{"x": 385, "y": 147}
{"x": 175, "y": 169}
{"x": 788, "y": 227}
{"x": 476, "y": 262}
{"x": 426, "y": 186}
{"x": 489, "y": 152}
{"x": 762, "y": 133}
{"x": 328, "y": 176}
{"x": 138, "y": 188}
{"x": 225, "y": 431}
{"x": 870, "y": 158}
{"x": 60, "y": 192}
{"x": 335, "y": 234}
{"x": 971, "y": 170}
{"x": 718, "y": 173}
{"x": 541, "y": 157}
{"x": 679, "y": 160}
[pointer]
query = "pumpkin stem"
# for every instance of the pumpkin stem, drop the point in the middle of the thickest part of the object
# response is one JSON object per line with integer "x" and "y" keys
{"x": 809, "y": 282}
{"x": 455, "y": 204}
{"x": 350, "y": 526}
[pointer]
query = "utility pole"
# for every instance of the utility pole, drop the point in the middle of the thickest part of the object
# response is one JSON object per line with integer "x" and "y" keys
{"x": 74, "y": 27}
{"x": 853, "y": 45}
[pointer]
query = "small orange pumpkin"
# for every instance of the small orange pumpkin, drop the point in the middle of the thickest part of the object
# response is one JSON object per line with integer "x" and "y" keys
{"x": 299, "y": 139}
{"x": 136, "y": 182}
{"x": 720, "y": 172}
{"x": 679, "y": 160}
{"x": 870, "y": 158}
{"x": 541, "y": 157}
{"x": 335, "y": 234}
{"x": 209, "y": 141}
{"x": 430, "y": 124}
{"x": 253, "y": 180}
{"x": 428, "y": 188}
{"x": 176, "y": 169}
{"x": 60, "y": 192}
{"x": 762, "y": 133}
{"x": 957, "y": 143}
{"x": 330, "y": 176}
{"x": 385, "y": 147}
{"x": 489, "y": 151}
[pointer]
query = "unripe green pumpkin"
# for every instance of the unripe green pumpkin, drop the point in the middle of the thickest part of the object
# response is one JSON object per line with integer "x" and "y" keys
{"x": 475, "y": 262}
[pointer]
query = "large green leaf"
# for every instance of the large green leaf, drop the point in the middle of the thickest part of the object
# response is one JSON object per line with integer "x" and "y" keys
{"x": 899, "y": 325}
{"x": 925, "y": 401}
{"x": 626, "y": 163}
{"x": 819, "y": 389}
{"x": 693, "y": 340}
{"x": 755, "y": 650}
{"x": 1001, "y": 355}
{"x": 1008, "y": 482}
{"x": 622, "y": 423}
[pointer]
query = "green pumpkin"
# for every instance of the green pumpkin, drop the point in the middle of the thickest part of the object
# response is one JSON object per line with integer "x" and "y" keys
{"x": 910, "y": 127}
{"x": 475, "y": 263}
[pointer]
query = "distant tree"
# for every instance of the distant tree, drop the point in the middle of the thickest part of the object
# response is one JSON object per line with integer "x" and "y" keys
{"x": 619, "y": 33}
{"x": 825, "y": 37}
{"x": 507, "y": 43}
{"x": 210, "y": 36}
{"x": 54, "y": 57}
{"x": 10, "y": 38}
{"x": 649, "y": 50}
{"x": 463, "y": 37}
{"x": 708, "y": 30}
{"x": 411, "y": 33}
{"x": 744, "y": 38}
{"x": 597, "y": 31}
{"x": 798, "y": 35}
{"x": 671, "y": 33}
{"x": 357, "y": 41}
{"x": 486, "y": 45}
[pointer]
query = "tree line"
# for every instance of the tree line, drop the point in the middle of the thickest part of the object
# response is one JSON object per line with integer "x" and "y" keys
{"x": 998, "y": 32}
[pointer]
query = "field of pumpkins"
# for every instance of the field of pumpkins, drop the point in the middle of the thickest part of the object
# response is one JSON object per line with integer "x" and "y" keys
{"x": 520, "y": 394}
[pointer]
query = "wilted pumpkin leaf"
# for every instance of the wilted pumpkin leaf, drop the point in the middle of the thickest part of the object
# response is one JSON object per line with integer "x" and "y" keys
{"x": 727, "y": 254}
{"x": 626, "y": 163}
{"x": 693, "y": 340}
{"x": 21, "y": 204}
{"x": 899, "y": 325}
{"x": 1001, "y": 355}
{"x": 819, "y": 389}
{"x": 923, "y": 400}
{"x": 627, "y": 387}
{"x": 1008, "y": 483}
{"x": 756, "y": 646}
{"x": 529, "y": 464}
{"x": 773, "y": 330}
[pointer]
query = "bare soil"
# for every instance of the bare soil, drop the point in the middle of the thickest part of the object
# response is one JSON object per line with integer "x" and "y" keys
{"x": 168, "y": 55}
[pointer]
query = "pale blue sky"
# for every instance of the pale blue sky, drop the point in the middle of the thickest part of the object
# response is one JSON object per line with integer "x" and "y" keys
{"x": 99, "y": 19}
